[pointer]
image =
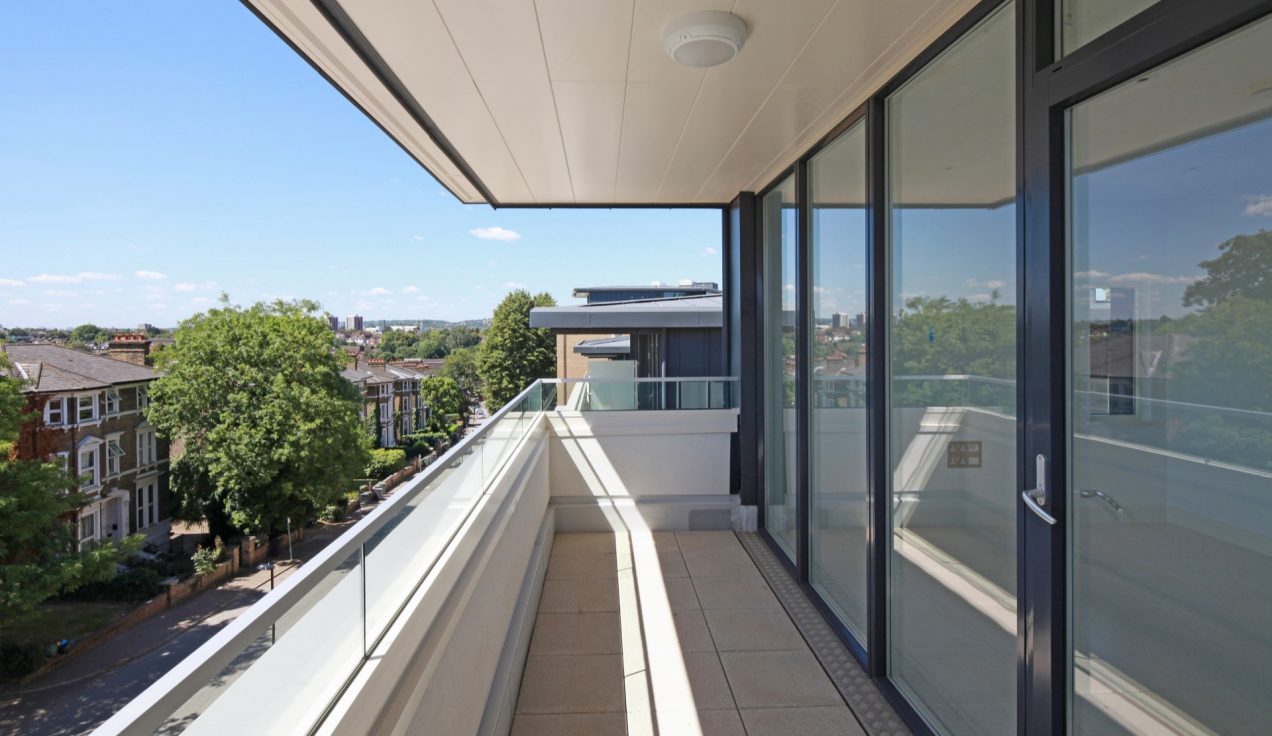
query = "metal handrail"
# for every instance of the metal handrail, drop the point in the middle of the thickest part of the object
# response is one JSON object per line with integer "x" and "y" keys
{"x": 656, "y": 379}
{"x": 147, "y": 712}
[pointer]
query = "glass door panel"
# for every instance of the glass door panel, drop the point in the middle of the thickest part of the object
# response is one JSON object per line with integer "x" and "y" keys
{"x": 839, "y": 484}
{"x": 780, "y": 218}
{"x": 1171, "y": 397}
{"x": 952, "y": 354}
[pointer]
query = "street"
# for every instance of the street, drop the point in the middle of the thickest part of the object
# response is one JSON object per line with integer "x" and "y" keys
{"x": 78, "y": 696}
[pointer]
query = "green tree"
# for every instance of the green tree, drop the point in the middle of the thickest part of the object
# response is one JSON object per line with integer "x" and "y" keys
{"x": 1226, "y": 356}
{"x": 396, "y": 345}
{"x": 270, "y": 429}
{"x": 513, "y": 354}
{"x": 1243, "y": 268}
{"x": 461, "y": 367}
{"x": 87, "y": 333}
{"x": 939, "y": 336}
{"x": 442, "y": 397}
{"x": 38, "y": 555}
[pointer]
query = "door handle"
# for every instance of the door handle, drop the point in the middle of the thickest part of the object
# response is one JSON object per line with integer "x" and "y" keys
{"x": 1034, "y": 498}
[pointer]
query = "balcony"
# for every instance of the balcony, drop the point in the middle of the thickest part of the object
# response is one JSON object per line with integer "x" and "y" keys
{"x": 611, "y": 522}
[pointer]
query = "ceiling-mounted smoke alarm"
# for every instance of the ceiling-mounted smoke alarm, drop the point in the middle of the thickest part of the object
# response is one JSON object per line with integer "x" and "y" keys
{"x": 706, "y": 38}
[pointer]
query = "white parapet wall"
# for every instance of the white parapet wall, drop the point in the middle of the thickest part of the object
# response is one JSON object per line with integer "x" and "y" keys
{"x": 670, "y": 468}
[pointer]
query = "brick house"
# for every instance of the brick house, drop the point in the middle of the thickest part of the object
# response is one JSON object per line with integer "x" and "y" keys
{"x": 392, "y": 390}
{"x": 84, "y": 411}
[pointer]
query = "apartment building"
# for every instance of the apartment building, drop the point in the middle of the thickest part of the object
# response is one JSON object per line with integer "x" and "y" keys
{"x": 391, "y": 394}
{"x": 86, "y": 412}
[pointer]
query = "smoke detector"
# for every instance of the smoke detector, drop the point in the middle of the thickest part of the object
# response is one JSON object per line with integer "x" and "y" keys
{"x": 704, "y": 39}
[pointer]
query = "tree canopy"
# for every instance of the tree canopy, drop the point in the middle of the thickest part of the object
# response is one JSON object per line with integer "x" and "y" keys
{"x": 1243, "y": 268}
{"x": 88, "y": 333}
{"x": 514, "y": 354}
{"x": 435, "y": 343}
{"x": 270, "y": 429}
{"x": 461, "y": 367}
{"x": 443, "y": 398}
{"x": 38, "y": 555}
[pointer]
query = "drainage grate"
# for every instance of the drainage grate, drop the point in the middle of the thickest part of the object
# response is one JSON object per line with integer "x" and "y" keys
{"x": 863, "y": 698}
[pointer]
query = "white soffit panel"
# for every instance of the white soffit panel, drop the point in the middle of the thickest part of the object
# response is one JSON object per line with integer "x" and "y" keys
{"x": 895, "y": 39}
{"x": 720, "y": 114}
{"x": 413, "y": 39}
{"x": 500, "y": 44}
{"x": 562, "y": 101}
{"x": 654, "y": 116}
{"x": 591, "y": 115}
{"x": 599, "y": 54}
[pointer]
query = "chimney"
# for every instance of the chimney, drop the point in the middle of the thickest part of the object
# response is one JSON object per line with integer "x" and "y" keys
{"x": 129, "y": 347}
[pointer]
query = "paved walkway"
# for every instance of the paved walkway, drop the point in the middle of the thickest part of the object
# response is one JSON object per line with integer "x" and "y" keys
{"x": 669, "y": 633}
{"x": 78, "y": 696}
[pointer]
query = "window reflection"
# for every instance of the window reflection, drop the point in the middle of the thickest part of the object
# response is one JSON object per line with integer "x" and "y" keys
{"x": 780, "y": 222}
{"x": 952, "y": 235}
{"x": 1171, "y": 200}
{"x": 837, "y": 181}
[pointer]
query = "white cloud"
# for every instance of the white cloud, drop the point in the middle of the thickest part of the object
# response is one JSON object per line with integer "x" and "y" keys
{"x": 379, "y": 291}
{"x": 1260, "y": 206}
{"x": 88, "y": 306}
{"x": 417, "y": 237}
{"x": 411, "y": 290}
{"x": 149, "y": 275}
{"x": 710, "y": 252}
{"x": 495, "y": 233}
{"x": 1153, "y": 278}
{"x": 990, "y": 284}
{"x": 57, "y": 292}
{"x": 202, "y": 300}
{"x": 511, "y": 285}
{"x": 19, "y": 302}
{"x": 188, "y": 286}
{"x": 1091, "y": 274}
{"x": 57, "y": 278}
{"x": 11, "y": 282}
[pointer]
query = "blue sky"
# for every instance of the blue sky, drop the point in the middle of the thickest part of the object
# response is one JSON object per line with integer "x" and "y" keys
{"x": 156, "y": 154}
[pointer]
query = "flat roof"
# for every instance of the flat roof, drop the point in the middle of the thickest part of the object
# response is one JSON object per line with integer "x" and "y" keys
{"x": 616, "y": 345}
{"x": 673, "y": 312}
{"x": 583, "y": 291}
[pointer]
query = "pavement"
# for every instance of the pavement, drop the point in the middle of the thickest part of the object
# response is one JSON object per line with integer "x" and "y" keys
{"x": 89, "y": 688}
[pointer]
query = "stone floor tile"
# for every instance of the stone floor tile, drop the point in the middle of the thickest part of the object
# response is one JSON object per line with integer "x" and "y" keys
{"x": 577, "y": 633}
{"x": 745, "y": 592}
{"x": 573, "y": 724}
{"x": 579, "y": 595}
{"x": 752, "y": 629}
{"x": 583, "y": 683}
{"x": 778, "y": 679}
{"x": 834, "y": 720}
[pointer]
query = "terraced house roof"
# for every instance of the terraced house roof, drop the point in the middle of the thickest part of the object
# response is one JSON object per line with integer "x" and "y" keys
{"x": 50, "y": 368}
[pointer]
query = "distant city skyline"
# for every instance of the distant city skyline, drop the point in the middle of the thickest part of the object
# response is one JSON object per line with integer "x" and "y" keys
{"x": 167, "y": 153}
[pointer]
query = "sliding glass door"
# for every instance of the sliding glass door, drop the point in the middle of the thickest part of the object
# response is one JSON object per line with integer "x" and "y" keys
{"x": 1170, "y": 502}
{"x": 1039, "y": 476}
{"x": 781, "y": 363}
{"x": 839, "y": 483}
{"x": 952, "y": 440}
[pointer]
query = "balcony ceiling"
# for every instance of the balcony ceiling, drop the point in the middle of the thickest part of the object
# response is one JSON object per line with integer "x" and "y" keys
{"x": 574, "y": 101}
